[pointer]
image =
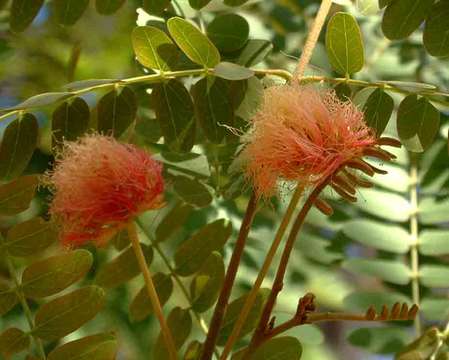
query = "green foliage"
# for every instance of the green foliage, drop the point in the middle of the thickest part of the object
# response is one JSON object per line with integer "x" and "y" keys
{"x": 16, "y": 195}
{"x": 229, "y": 32}
{"x": 285, "y": 347}
{"x": 13, "y": 340}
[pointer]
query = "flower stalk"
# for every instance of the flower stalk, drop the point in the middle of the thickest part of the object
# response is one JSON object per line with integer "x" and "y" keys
{"x": 166, "y": 333}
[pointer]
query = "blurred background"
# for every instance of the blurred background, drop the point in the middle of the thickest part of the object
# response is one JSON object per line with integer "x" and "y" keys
{"x": 329, "y": 259}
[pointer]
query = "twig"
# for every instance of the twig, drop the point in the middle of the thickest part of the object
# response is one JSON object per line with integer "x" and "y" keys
{"x": 231, "y": 273}
{"x": 166, "y": 333}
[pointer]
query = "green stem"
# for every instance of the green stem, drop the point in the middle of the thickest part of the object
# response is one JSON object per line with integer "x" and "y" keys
{"x": 166, "y": 261}
{"x": 414, "y": 233}
{"x": 24, "y": 304}
{"x": 252, "y": 295}
{"x": 165, "y": 330}
{"x": 259, "y": 333}
{"x": 231, "y": 272}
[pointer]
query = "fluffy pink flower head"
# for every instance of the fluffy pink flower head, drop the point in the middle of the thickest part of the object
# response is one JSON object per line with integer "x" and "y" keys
{"x": 304, "y": 135}
{"x": 99, "y": 184}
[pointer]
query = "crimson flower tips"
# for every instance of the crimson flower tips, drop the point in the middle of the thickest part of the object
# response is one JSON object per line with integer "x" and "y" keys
{"x": 100, "y": 184}
{"x": 305, "y": 135}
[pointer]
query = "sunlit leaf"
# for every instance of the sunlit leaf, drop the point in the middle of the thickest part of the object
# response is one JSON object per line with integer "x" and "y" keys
{"x": 175, "y": 113}
{"x": 116, "y": 111}
{"x": 402, "y": 17}
{"x": 384, "y": 204}
{"x": 230, "y": 71}
{"x": 380, "y": 236}
{"x": 433, "y": 211}
{"x": 141, "y": 307}
{"x": 207, "y": 283}
{"x": 179, "y": 322}
{"x": 418, "y": 123}
{"x": 23, "y": 13}
{"x": 434, "y": 308}
{"x": 18, "y": 144}
{"x": 434, "y": 242}
{"x": 421, "y": 348}
{"x": 344, "y": 44}
{"x": 108, "y": 7}
{"x": 123, "y": 268}
{"x": 436, "y": 276}
{"x": 192, "y": 253}
{"x": 153, "y": 48}
{"x": 436, "y": 25}
{"x": 16, "y": 195}
{"x": 193, "y": 42}
{"x": 68, "y": 12}
{"x": 54, "y": 274}
{"x": 70, "y": 120}
{"x": 67, "y": 313}
{"x": 387, "y": 270}
{"x": 12, "y": 341}
{"x": 229, "y": 32}
{"x": 95, "y": 347}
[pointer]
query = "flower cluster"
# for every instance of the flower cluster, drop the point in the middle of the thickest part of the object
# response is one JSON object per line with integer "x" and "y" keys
{"x": 306, "y": 135}
{"x": 99, "y": 184}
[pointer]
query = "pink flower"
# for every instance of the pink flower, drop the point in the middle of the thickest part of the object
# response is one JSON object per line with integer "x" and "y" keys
{"x": 99, "y": 184}
{"x": 304, "y": 135}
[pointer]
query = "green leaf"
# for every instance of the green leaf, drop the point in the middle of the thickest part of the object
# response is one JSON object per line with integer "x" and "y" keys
{"x": 378, "y": 109}
{"x": 380, "y": 340}
{"x": 81, "y": 84}
{"x": 192, "y": 253}
{"x": 8, "y": 298}
{"x": 435, "y": 276}
{"x": 198, "y": 4}
{"x": 233, "y": 312}
{"x": 418, "y": 123}
{"x": 207, "y": 283}
{"x": 17, "y": 146}
{"x": 192, "y": 191}
{"x": 380, "y": 236}
{"x": 108, "y": 7}
{"x": 422, "y": 348}
{"x": 23, "y": 13}
{"x": 155, "y": 7}
{"x": 344, "y": 44}
{"x": 193, "y": 351}
{"x": 434, "y": 242}
{"x": 234, "y": 3}
{"x": 70, "y": 120}
{"x": 229, "y": 32}
{"x": 68, "y": 12}
{"x": 402, "y": 17}
{"x": 344, "y": 93}
{"x": 436, "y": 25}
{"x": 213, "y": 107}
{"x": 387, "y": 270}
{"x": 154, "y": 49}
{"x": 397, "y": 179}
{"x": 186, "y": 164}
{"x": 362, "y": 300}
{"x": 383, "y": 204}
{"x": 121, "y": 240}
{"x": 41, "y": 100}
{"x": 248, "y": 103}
{"x": 179, "y": 322}
{"x": 16, "y": 195}
{"x": 12, "y": 341}
{"x": 230, "y": 71}
{"x": 432, "y": 211}
{"x": 54, "y": 274}
{"x": 141, "y": 307}
{"x": 95, "y": 347}
{"x": 284, "y": 347}
{"x": 254, "y": 52}
{"x": 67, "y": 313}
{"x": 175, "y": 112}
{"x": 116, "y": 111}
{"x": 193, "y": 42}
{"x": 123, "y": 268}
{"x": 316, "y": 248}
{"x": 173, "y": 221}
{"x": 30, "y": 237}
{"x": 434, "y": 309}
